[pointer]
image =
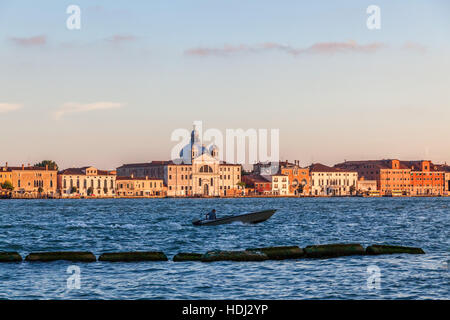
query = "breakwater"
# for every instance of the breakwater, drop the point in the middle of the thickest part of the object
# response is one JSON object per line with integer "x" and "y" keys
{"x": 255, "y": 254}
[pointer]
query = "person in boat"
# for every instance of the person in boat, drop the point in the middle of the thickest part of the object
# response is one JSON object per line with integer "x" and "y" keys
{"x": 211, "y": 215}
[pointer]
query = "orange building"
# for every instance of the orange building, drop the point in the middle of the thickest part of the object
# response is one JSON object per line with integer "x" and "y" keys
{"x": 299, "y": 178}
{"x": 426, "y": 178}
{"x": 392, "y": 176}
{"x": 30, "y": 181}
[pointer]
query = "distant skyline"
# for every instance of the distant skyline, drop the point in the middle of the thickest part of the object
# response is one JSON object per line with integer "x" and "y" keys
{"x": 113, "y": 91}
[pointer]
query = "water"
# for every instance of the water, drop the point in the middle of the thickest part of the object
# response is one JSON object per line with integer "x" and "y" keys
{"x": 165, "y": 224}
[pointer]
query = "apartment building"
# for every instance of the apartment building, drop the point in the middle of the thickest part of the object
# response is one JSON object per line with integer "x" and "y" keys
{"x": 426, "y": 178}
{"x": 392, "y": 176}
{"x": 139, "y": 187}
{"x": 280, "y": 184}
{"x": 332, "y": 181}
{"x": 262, "y": 185}
{"x": 86, "y": 181}
{"x": 30, "y": 181}
{"x": 299, "y": 178}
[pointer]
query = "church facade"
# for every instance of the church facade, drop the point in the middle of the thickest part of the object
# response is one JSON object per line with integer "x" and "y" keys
{"x": 198, "y": 172}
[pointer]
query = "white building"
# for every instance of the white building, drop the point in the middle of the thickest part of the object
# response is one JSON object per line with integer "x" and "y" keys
{"x": 331, "y": 181}
{"x": 86, "y": 181}
{"x": 280, "y": 184}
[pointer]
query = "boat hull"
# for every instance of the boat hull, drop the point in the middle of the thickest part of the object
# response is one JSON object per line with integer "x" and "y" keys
{"x": 251, "y": 218}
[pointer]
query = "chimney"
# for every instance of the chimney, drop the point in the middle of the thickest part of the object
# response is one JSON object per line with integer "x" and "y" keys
{"x": 146, "y": 177}
{"x": 23, "y": 167}
{"x": 46, "y": 167}
{"x": 6, "y": 165}
{"x": 28, "y": 165}
{"x": 132, "y": 175}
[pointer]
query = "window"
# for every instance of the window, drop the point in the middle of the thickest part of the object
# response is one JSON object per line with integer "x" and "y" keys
{"x": 206, "y": 168}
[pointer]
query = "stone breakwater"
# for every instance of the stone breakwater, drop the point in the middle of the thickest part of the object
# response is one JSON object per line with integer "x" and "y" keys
{"x": 252, "y": 254}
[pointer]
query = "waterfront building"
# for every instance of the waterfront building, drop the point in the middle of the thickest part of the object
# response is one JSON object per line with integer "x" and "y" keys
{"x": 299, "y": 182}
{"x": 392, "y": 176}
{"x": 299, "y": 179}
{"x": 366, "y": 187}
{"x": 332, "y": 181}
{"x": 5, "y": 175}
{"x": 262, "y": 185}
{"x": 447, "y": 182}
{"x": 426, "y": 178}
{"x": 139, "y": 187}
{"x": 280, "y": 184}
{"x": 86, "y": 181}
{"x": 198, "y": 172}
{"x": 30, "y": 181}
{"x": 446, "y": 170}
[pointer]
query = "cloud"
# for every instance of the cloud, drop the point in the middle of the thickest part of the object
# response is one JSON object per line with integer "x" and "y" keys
{"x": 74, "y": 107}
{"x": 317, "y": 48}
{"x": 8, "y": 107}
{"x": 117, "y": 38}
{"x": 414, "y": 46}
{"x": 30, "y": 42}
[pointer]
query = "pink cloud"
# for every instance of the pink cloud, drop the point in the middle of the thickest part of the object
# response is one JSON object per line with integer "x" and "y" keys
{"x": 117, "y": 38}
{"x": 31, "y": 41}
{"x": 317, "y": 48}
{"x": 413, "y": 46}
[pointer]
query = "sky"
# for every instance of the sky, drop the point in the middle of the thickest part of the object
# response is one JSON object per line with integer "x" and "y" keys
{"x": 113, "y": 91}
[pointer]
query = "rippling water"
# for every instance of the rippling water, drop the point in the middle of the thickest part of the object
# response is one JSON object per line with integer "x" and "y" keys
{"x": 165, "y": 224}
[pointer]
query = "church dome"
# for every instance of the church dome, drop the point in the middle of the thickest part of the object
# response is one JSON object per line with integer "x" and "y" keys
{"x": 214, "y": 151}
{"x": 193, "y": 149}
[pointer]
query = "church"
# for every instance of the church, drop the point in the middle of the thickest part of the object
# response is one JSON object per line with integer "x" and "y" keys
{"x": 198, "y": 172}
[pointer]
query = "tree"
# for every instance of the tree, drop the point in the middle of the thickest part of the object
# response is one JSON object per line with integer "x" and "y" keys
{"x": 40, "y": 190}
{"x": 73, "y": 190}
{"x": 51, "y": 164}
{"x": 241, "y": 184}
{"x": 352, "y": 189}
{"x": 7, "y": 185}
{"x": 90, "y": 191}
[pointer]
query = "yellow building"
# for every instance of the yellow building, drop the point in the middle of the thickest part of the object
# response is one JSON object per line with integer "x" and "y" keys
{"x": 366, "y": 186}
{"x": 139, "y": 187}
{"x": 30, "y": 181}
